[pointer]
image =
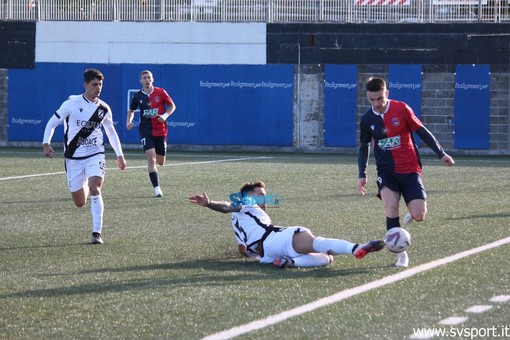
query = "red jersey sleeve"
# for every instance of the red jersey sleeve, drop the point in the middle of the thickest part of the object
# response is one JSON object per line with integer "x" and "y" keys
{"x": 412, "y": 121}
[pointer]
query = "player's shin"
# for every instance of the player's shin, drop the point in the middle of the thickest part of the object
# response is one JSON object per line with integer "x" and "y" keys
{"x": 312, "y": 260}
{"x": 154, "y": 177}
{"x": 97, "y": 208}
{"x": 332, "y": 246}
{"x": 392, "y": 222}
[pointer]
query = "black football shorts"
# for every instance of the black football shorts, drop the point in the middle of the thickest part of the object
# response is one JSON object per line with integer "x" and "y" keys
{"x": 155, "y": 142}
{"x": 410, "y": 186}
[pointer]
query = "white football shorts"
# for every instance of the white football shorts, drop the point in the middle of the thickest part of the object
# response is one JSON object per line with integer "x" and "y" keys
{"x": 279, "y": 244}
{"x": 79, "y": 170}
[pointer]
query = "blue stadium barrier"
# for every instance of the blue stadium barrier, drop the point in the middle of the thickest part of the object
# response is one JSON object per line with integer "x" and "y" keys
{"x": 472, "y": 106}
{"x": 340, "y": 95}
{"x": 216, "y": 104}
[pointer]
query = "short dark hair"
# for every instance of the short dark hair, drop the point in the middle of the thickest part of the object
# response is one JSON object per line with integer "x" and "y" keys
{"x": 144, "y": 72}
{"x": 375, "y": 84}
{"x": 91, "y": 74}
{"x": 250, "y": 186}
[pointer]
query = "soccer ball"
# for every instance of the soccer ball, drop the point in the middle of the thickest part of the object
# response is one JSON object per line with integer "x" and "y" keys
{"x": 397, "y": 240}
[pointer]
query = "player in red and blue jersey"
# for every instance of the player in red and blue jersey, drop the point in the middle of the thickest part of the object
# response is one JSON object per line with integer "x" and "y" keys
{"x": 390, "y": 124}
{"x": 155, "y": 107}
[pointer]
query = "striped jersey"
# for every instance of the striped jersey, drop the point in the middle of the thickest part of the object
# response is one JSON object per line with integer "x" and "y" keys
{"x": 250, "y": 224}
{"x": 83, "y": 121}
{"x": 151, "y": 105}
{"x": 393, "y": 141}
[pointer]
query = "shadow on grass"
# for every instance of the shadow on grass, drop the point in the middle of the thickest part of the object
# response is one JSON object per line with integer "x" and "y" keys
{"x": 195, "y": 273}
{"x": 243, "y": 265}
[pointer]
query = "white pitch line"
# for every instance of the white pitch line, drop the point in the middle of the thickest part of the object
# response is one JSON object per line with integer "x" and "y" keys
{"x": 34, "y": 175}
{"x": 500, "y": 298}
{"x": 348, "y": 293}
{"x": 478, "y": 309}
{"x": 208, "y": 162}
{"x": 453, "y": 320}
{"x": 143, "y": 166}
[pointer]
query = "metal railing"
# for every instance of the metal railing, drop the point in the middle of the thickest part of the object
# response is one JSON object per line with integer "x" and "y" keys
{"x": 278, "y": 11}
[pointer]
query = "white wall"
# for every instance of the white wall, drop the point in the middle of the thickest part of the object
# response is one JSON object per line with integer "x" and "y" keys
{"x": 151, "y": 43}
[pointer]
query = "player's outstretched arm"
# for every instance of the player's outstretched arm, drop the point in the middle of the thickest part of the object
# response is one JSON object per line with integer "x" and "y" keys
{"x": 200, "y": 199}
{"x": 432, "y": 142}
{"x": 220, "y": 206}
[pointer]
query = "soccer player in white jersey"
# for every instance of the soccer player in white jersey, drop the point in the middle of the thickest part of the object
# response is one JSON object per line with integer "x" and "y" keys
{"x": 83, "y": 116}
{"x": 284, "y": 247}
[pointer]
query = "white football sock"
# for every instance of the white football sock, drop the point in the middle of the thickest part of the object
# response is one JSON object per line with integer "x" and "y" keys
{"x": 312, "y": 260}
{"x": 97, "y": 208}
{"x": 332, "y": 246}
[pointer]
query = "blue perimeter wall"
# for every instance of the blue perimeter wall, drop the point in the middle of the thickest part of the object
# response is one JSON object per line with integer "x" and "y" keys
{"x": 249, "y": 105}
{"x": 216, "y": 104}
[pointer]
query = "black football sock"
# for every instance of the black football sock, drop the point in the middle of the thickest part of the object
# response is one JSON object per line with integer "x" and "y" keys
{"x": 392, "y": 223}
{"x": 154, "y": 176}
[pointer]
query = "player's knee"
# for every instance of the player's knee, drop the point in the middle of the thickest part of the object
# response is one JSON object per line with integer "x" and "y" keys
{"x": 80, "y": 204}
{"x": 419, "y": 216}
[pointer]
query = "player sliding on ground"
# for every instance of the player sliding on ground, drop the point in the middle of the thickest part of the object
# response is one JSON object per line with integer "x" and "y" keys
{"x": 285, "y": 247}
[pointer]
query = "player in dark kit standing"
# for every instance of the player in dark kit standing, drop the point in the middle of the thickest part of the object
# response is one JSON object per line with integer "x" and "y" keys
{"x": 155, "y": 107}
{"x": 390, "y": 125}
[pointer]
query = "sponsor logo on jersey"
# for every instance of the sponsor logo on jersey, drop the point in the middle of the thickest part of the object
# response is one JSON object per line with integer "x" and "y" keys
{"x": 150, "y": 113}
{"x": 389, "y": 143}
{"x": 87, "y": 124}
{"x": 87, "y": 141}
